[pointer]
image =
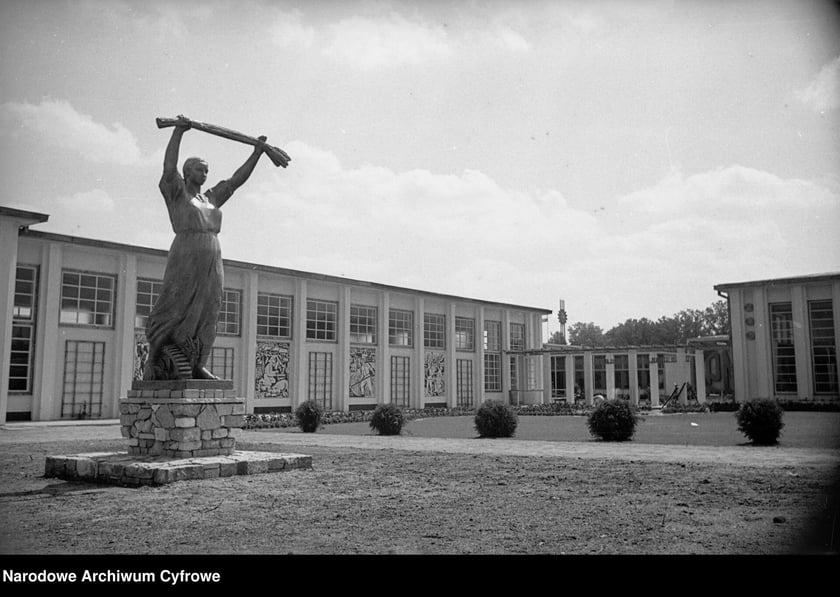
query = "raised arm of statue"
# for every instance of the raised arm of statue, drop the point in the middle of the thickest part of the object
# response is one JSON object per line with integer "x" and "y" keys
{"x": 170, "y": 157}
{"x": 243, "y": 172}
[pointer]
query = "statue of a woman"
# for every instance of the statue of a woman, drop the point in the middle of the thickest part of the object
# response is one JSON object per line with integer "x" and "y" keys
{"x": 182, "y": 325}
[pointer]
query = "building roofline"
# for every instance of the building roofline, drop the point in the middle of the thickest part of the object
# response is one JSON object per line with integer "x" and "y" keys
{"x": 89, "y": 242}
{"x": 32, "y": 217}
{"x": 823, "y": 277}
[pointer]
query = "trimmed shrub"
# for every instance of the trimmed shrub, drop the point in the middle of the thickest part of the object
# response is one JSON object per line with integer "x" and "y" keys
{"x": 387, "y": 419}
{"x": 494, "y": 418}
{"x": 760, "y": 420}
{"x": 308, "y": 416}
{"x": 612, "y": 421}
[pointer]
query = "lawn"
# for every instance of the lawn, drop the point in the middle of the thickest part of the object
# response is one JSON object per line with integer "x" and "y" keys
{"x": 801, "y": 430}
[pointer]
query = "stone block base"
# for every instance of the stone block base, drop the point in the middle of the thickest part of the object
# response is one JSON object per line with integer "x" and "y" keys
{"x": 119, "y": 468}
{"x": 181, "y": 419}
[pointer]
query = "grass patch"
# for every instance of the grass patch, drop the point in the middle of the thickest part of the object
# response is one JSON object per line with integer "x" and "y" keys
{"x": 802, "y": 429}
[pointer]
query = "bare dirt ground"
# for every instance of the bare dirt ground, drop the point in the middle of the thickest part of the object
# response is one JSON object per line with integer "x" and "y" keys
{"x": 410, "y": 495}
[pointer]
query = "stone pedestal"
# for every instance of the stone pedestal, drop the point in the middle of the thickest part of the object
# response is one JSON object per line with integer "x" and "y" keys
{"x": 181, "y": 418}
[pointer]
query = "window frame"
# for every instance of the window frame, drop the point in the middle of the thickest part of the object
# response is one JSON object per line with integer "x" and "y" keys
{"x": 284, "y": 303}
{"x": 365, "y": 320}
{"x": 329, "y": 330}
{"x": 465, "y": 334}
{"x": 111, "y": 302}
{"x": 434, "y": 331}
{"x": 395, "y": 329}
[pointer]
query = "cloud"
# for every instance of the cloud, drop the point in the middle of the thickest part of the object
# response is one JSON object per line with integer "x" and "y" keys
{"x": 95, "y": 200}
{"x": 823, "y": 94}
{"x": 370, "y": 43}
{"x": 289, "y": 31}
{"x": 57, "y": 123}
{"x": 663, "y": 249}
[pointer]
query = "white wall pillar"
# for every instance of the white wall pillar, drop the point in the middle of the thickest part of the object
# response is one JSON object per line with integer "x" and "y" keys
{"x": 653, "y": 365}
{"x": 763, "y": 360}
{"x": 570, "y": 378}
{"x": 382, "y": 387}
{"x": 418, "y": 389}
{"x": 299, "y": 382}
{"x": 343, "y": 361}
{"x": 8, "y": 274}
{"x": 700, "y": 374}
{"x": 801, "y": 349}
{"x": 589, "y": 377}
{"x": 451, "y": 374}
{"x": 249, "y": 339}
{"x": 479, "y": 357}
{"x": 633, "y": 368}
{"x": 739, "y": 346}
{"x": 124, "y": 329}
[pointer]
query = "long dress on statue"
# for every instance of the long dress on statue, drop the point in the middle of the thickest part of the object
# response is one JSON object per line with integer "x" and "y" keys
{"x": 182, "y": 325}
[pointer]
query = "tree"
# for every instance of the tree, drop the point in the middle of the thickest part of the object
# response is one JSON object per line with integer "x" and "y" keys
{"x": 665, "y": 331}
{"x": 557, "y": 338}
{"x": 633, "y": 332}
{"x": 586, "y": 334}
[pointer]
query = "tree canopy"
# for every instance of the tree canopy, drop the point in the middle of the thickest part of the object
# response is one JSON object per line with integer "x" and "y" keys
{"x": 676, "y": 329}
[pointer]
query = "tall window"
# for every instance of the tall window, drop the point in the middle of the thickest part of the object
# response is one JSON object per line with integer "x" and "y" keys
{"x": 517, "y": 336}
{"x": 514, "y": 373}
{"x": 580, "y": 378}
{"x": 558, "y": 376}
{"x": 784, "y": 356}
{"x": 492, "y": 372}
{"x": 274, "y": 315}
{"x": 148, "y": 292}
{"x": 434, "y": 330}
{"x": 621, "y": 374}
{"x": 643, "y": 372}
{"x": 228, "y": 322}
{"x": 400, "y": 328}
{"x": 599, "y": 373}
{"x": 320, "y": 378}
{"x": 492, "y": 356}
{"x": 321, "y": 317}
{"x": 23, "y": 329}
{"x": 87, "y": 299}
{"x": 823, "y": 347}
{"x": 464, "y": 333}
{"x": 400, "y": 381}
{"x": 493, "y": 336}
{"x": 532, "y": 366}
{"x": 84, "y": 373}
{"x": 464, "y": 380}
{"x": 220, "y": 362}
{"x": 362, "y": 324}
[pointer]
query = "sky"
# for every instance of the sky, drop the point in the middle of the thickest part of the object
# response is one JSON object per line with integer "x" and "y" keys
{"x": 622, "y": 156}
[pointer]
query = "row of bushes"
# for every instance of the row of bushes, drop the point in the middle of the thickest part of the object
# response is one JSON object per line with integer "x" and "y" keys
{"x": 611, "y": 420}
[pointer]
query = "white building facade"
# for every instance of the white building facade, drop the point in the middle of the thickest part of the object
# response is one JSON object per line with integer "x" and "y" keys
{"x": 75, "y": 309}
{"x": 784, "y": 337}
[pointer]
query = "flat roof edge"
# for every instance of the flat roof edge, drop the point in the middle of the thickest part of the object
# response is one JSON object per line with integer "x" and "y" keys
{"x": 76, "y": 240}
{"x": 823, "y": 277}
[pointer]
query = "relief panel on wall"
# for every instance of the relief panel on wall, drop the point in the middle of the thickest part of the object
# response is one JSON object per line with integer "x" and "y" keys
{"x": 272, "y": 374}
{"x": 434, "y": 373}
{"x": 362, "y": 372}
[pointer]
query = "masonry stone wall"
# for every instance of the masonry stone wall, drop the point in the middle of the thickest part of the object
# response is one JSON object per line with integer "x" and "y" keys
{"x": 181, "y": 423}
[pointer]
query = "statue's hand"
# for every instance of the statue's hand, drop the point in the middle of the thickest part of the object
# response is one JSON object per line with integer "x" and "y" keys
{"x": 262, "y": 139}
{"x": 184, "y": 122}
